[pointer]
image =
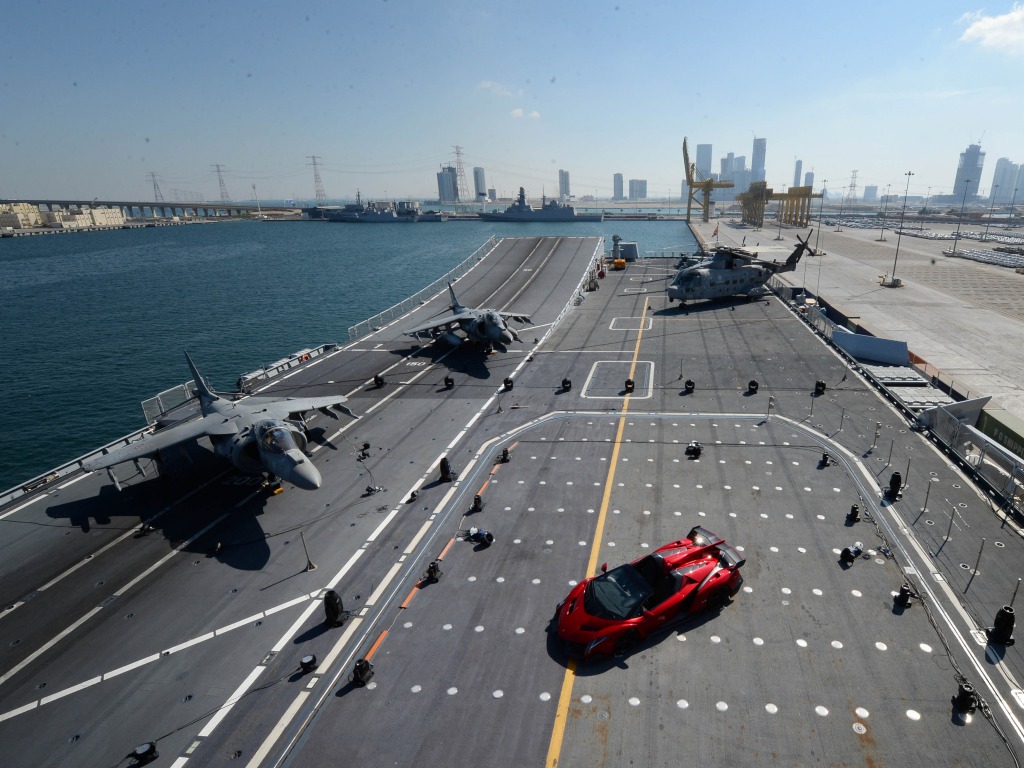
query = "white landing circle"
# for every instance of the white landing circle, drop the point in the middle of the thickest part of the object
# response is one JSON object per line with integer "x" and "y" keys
{"x": 770, "y": 708}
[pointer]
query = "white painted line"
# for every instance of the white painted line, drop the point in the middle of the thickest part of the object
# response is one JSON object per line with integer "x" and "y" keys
{"x": 47, "y": 646}
{"x": 179, "y": 763}
{"x": 278, "y": 729}
{"x": 129, "y": 667}
{"x": 69, "y": 691}
{"x": 73, "y": 481}
{"x": 384, "y": 524}
{"x": 232, "y": 700}
{"x": 22, "y": 506}
{"x": 19, "y": 711}
{"x": 284, "y": 606}
{"x": 303, "y": 618}
{"x": 416, "y": 539}
{"x": 383, "y": 584}
{"x": 189, "y": 643}
{"x": 344, "y": 569}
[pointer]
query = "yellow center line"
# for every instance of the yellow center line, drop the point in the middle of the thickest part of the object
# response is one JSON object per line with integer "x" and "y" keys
{"x": 562, "y": 712}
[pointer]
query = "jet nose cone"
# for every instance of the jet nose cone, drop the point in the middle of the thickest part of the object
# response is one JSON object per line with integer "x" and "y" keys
{"x": 302, "y": 474}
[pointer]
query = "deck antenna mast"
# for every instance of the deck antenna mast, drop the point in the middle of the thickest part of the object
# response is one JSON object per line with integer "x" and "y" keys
{"x": 318, "y": 186}
{"x": 224, "y": 196}
{"x": 158, "y": 196}
{"x": 460, "y": 176}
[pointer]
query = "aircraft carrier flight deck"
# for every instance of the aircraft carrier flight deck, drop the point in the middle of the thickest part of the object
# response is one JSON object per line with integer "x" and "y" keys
{"x": 181, "y": 622}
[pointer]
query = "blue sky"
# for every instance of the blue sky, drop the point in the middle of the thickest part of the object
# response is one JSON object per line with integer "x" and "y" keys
{"x": 93, "y": 96}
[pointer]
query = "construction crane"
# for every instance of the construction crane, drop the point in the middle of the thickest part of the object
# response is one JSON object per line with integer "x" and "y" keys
{"x": 697, "y": 183}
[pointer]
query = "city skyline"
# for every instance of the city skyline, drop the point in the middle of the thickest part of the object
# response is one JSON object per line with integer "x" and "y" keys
{"x": 95, "y": 106}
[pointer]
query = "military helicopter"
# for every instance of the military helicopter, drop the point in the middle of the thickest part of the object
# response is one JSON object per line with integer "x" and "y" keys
{"x": 731, "y": 271}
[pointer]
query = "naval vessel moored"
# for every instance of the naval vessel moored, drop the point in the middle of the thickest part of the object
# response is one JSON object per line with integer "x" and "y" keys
{"x": 550, "y": 211}
{"x": 182, "y": 620}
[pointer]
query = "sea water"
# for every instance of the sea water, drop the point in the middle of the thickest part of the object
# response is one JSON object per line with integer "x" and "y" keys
{"x": 93, "y": 323}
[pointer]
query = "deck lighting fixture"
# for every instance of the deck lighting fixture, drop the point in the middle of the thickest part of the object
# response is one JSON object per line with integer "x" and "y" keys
{"x": 334, "y": 612}
{"x": 853, "y": 515}
{"x": 447, "y": 473}
{"x": 1002, "y": 632}
{"x": 144, "y": 753}
{"x": 308, "y": 663}
{"x": 433, "y": 574}
{"x": 361, "y": 673}
{"x": 966, "y": 700}
{"x": 688, "y": 386}
{"x": 478, "y": 504}
{"x": 850, "y": 554}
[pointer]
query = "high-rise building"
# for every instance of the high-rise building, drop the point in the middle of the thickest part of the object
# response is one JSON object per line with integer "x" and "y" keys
{"x": 617, "y": 186}
{"x": 797, "y": 172}
{"x": 704, "y": 160}
{"x": 563, "y": 184}
{"x": 479, "y": 184}
{"x": 448, "y": 184}
{"x": 809, "y": 179}
{"x": 1005, "y": 180}
{"x": 757, "y": 160}
{"x": 968, "y": 171}
{"x": 638, "y": 189}
{"x": 870, "y": 193}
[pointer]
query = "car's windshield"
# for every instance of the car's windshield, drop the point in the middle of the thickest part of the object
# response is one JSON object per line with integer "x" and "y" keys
{"x": 617, "y": 594}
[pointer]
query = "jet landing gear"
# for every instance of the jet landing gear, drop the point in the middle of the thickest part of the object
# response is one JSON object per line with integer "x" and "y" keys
{"x": 272, "y": 484}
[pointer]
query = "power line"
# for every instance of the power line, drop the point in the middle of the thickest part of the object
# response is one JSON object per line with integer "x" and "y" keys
{"x": 224, "y": 196}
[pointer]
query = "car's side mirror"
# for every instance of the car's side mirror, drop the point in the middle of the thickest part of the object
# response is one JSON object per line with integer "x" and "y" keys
{"x": 604, "y": 567}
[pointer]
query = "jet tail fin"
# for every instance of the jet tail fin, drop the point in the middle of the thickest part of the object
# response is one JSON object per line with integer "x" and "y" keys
{"x": 456, "y": 306}
{"x": 206, "y": 396}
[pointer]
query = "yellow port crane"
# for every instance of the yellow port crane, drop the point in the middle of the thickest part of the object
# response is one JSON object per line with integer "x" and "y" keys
{"x": 698, "y": 184}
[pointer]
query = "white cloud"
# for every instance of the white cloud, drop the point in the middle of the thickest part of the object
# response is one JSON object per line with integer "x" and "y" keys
{"x": 498, "y": 89}
{"x": 519, "y": 112}
{"x": 1003, "y": 33}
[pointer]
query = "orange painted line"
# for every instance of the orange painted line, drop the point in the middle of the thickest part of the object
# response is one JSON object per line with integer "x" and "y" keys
{"x": 412, "y": 594}
{"x": 483, "y": 487}
{"x": 445, "y": 550}
{"x": 376, "y": 645}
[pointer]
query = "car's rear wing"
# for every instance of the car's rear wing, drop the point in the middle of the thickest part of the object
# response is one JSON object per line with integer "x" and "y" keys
{"x": 702, "y": 537}
{"x": 730, "y": 556}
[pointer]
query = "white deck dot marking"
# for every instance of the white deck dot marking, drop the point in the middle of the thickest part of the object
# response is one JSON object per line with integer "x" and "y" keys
{"x": 616, "y": 511}
{"x": 682, "y": 704}
{"x": 522, "y": 482}
{"x": 596, "y": 484}
{"x": 856, "y": 593}
{"x": 371, "y": 685}
{"x": 471, "y": 578}
{"x": 543, "y": 482}
{"x": 446, "y": 627}
{"x": 549, "y": 542}
{"x": 817, "y": 592}
{"x": 835, "y": 551}
{"x": 721, "y": 706}
{"x": 573, "y": 582}
{"x": 739, "y": 548}
{"x": 416, "y": 688}
{"x": 498, "y": 694}
{"x": 768, "y": 462}
{"x": 591, "y": 511}
{"x": 586, "y": 698}
{"x": 926, "y": 648}
{"x": 778, "y": 487}
{"x": 913, "y": 714}
{"x": 821, "y": 517}
{"x": 820, "y": 710}
{"x": 802, "y": 643}
{"x": 770, "y": 708}
{"x": 535, "y": 581}
{"x": 500, "y": 579}
{"x": 756, "y": 487}
{"x": 727, "y": 487}
{"x": 508, "y": 509}
{"x": 634, "y": 701}
{"x": 764, "y": 515}
{"x": 699, "y": 487}
{"x": 545, "y": 696}
{"x": 748, "y": 590}
{"x": 801, "y": 550}
{"x": 579, "y": 459}
{"x": 520, "y": 630}
{"x": 758, "y": 641}
{"x": 531, "y": 509}
{"x": 452, "y": 691}
{"x": 517, "y": 541}
{"x": 478, "y": 628}
{"x": 881, "y": 646}
{"x": 645, "y": 545}
{"x": 773, "y": 549}
{"x": 583, "y": 543}
{"x": 568, "y": 482}
{"x": 611, "y": 543}
{"x": 721, "y": 461}
{"x": 407, "y": 624}
{"x": 677, "y": 513}
{"x": 837, "y": 490}
{"x": 861, "y": 712}
{"x": 675, "y": 485}
{"x": 806, "y": 488}
{"x": 747, "y": 461}
{"x": 647, "y": 511}
{"x": 837, "y": 645}
{"x": 732, "y": 514}
{"x": 681, "y": 637}
{"x": 789, "y": 515}
{"x": 787, "y": 591}
{"x": 715, "y": 639}
{"x": 702, "y": 514}
{"x": 649, "y": 485}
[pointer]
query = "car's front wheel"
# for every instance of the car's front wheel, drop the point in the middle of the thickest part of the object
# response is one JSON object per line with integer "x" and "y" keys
{"x": 626, "y": 642}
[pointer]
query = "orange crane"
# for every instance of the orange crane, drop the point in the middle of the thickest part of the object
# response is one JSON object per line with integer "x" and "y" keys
{"x": 698, "y": 184}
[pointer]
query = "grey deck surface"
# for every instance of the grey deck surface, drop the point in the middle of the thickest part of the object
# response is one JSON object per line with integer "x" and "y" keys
{"x": 149, "y": 637}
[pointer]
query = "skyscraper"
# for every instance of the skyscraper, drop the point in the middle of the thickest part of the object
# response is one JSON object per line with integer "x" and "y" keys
{"x": 968, "y": 171}
{"x": 448, "y": 184}
{"x": 809, "y": 179}
{"x": 797, "y": 172}
{"x": 638, "y": 189}
{"x": 704, "y": 160}
{"x": 757, "y": 160}
{"x": 617, "y": 186}
{"x": 563, "y": 184}
{"x": 1006, "y": 178}
{"x": 479, "y": 184}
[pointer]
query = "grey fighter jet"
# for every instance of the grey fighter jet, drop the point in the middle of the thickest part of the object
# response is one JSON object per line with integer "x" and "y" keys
{"x": 731, "y": 271}
{"x": 256, "y": 434}
{"x": 487, "y": 327}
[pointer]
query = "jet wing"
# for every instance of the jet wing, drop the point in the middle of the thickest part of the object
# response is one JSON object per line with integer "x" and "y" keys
{"x": 147, "y": 445}
{"x": 516, "y": 316}
{"x": 284, "y": 408}
{"x": 440, "y": 323}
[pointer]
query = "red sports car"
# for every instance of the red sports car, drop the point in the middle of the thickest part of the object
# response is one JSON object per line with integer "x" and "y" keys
{"x": 610, "y": 613}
